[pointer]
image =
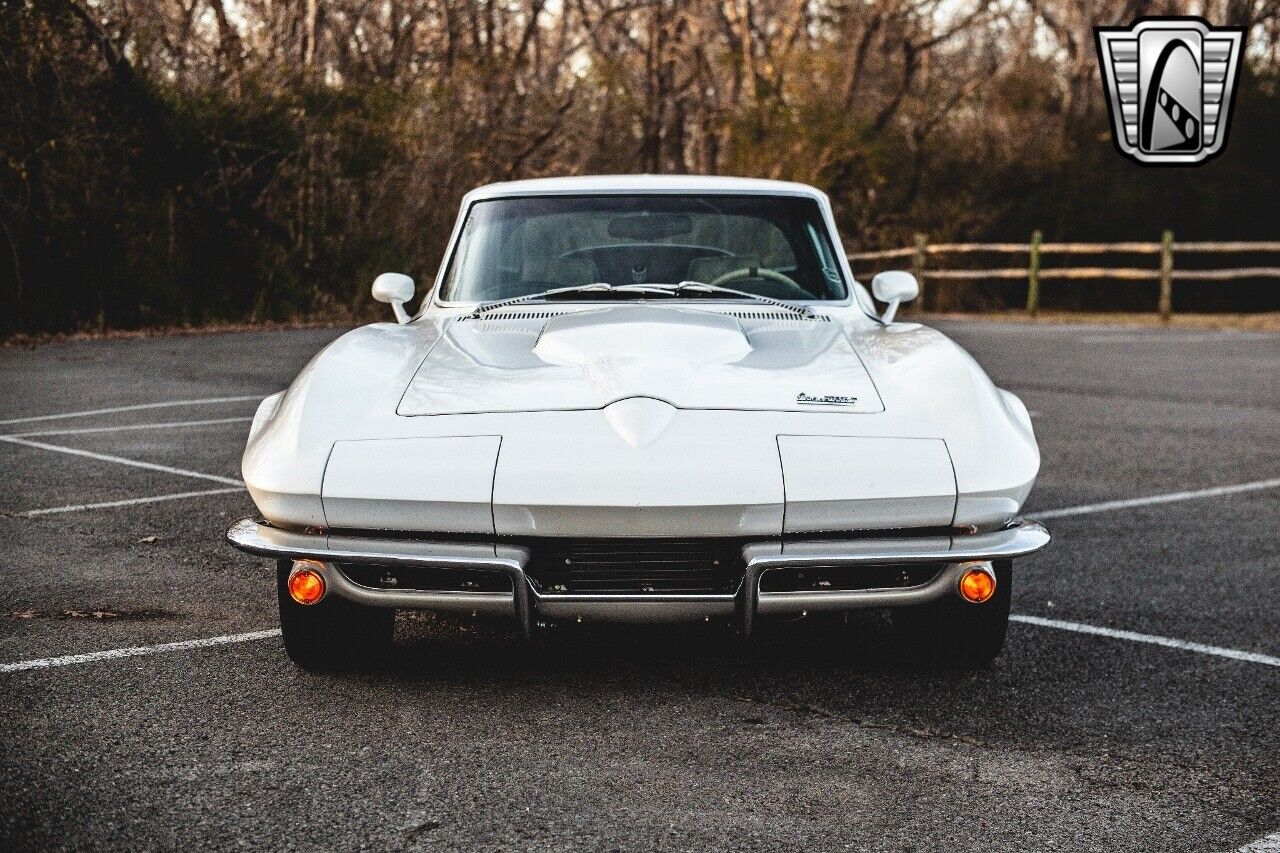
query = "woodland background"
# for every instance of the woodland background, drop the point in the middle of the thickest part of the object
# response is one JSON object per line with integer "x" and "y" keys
{"x": 195, "y": 161}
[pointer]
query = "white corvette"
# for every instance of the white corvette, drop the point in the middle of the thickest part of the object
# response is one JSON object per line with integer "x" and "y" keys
{"x": 645, "y": 399}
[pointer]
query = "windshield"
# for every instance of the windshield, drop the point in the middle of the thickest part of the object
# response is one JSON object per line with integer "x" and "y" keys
{"x": 774, "y": 246}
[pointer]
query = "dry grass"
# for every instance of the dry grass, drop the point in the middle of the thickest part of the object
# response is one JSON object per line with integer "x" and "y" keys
{"x": 35, "y": 340}
{"x": 1257, "y": 322}
{"x": 325, "y": 313}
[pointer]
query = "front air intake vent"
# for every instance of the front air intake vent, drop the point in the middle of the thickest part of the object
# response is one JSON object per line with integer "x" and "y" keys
{"x": 741, "y": 314}
{"x": 517, "y": 315}
{"x": 778, "y": 315}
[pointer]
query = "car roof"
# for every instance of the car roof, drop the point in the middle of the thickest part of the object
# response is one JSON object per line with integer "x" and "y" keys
{"x": 641, "y": 184}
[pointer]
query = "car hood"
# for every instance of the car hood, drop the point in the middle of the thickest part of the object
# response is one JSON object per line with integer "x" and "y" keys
{"x": 554, "y": 359}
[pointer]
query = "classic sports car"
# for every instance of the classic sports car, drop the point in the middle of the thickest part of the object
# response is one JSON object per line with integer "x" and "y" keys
{"x": 643, "y": 399}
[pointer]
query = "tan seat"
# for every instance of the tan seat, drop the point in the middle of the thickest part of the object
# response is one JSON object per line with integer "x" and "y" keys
{"x": 564, "y": 272}
{"x": 709, "y": 269}
{"x": 569, "y": 272}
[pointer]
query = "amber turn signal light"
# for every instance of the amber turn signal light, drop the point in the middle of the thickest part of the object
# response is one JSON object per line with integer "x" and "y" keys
{"x": 306, "y": 584}
{"x": 978, "y": 584}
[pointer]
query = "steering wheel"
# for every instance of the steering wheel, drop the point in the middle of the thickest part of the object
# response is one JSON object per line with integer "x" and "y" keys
{"x": 790, "y": 283}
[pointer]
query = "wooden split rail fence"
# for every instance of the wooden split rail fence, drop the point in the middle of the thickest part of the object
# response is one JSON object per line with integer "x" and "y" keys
{"x": 920, "y": 254}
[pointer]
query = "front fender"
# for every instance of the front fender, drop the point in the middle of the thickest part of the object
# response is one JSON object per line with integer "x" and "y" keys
{"x": 933, "y": 388}
{"x": 359, "y": 377}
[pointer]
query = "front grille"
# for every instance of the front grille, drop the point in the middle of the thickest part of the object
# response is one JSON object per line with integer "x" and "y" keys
{"x": 422, "y": 579}
{"x": 849, "y": 578}
{"x": 630, "y": 566}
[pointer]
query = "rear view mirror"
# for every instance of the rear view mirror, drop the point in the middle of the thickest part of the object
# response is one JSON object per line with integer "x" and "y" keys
{"x": 650, "y": 226}
{"x": 395, "y": 288}
{"x": 893, "y": 288}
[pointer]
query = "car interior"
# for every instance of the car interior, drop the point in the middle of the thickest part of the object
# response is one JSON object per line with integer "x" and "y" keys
{"x": 764, "y": 251}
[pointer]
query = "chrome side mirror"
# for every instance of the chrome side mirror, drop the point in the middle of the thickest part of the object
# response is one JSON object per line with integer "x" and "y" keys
{"x": 893, "y": 288}
{"x": 395, "y": 288}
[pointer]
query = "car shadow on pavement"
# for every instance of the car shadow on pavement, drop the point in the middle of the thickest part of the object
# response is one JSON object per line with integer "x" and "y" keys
{"x": 434, "y": 646}
{"x": 1043, "y": 692}
{"x": 809, "y": 657}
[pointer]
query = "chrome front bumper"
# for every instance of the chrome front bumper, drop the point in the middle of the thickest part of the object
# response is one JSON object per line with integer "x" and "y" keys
{"x": 527, "y": 604}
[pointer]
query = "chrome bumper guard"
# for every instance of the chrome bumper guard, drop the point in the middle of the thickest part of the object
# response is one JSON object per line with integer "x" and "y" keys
{"x": 260, "y": 538}
{"x": 1020, "y": 538}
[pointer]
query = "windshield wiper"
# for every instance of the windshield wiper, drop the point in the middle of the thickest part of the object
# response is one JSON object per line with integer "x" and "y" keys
{"x": 676, "y": 290}
{"x": 702, "y": 287}
{"x": 596, "y": 287}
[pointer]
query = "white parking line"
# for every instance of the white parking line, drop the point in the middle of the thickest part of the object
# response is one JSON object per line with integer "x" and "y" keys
{"x": 128, "y": 427}
{"x": 1075, "y": 627}
{"x": 53, "y": 510}
{"x": 105, "y": 457}
{"x": 1269, "y": 844}
{"x": 137, "y": 651}
{"x": 134, "y": 408}
{"x": 1153, "y": 639}
{"x": 1167, "y": 498}
{"x": 237, "y": 486}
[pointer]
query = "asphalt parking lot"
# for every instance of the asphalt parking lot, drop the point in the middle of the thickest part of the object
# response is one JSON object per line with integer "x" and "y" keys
{"x": 1136, "y": 706}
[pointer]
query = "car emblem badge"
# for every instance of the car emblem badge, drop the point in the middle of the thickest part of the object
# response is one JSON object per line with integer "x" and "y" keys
{"x": 825, "y": 400}
{"x": 1169, "y": 83}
